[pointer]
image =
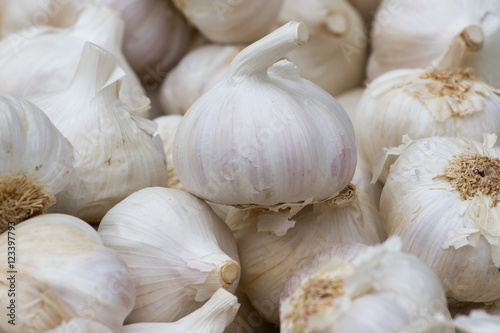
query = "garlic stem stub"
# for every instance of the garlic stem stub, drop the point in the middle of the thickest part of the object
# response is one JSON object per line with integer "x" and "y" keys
{"x": 177, "y": 250}
{"x": 442, "y": 198}
{"x": 36, "y": 161}
{"x": 262, "y": 138}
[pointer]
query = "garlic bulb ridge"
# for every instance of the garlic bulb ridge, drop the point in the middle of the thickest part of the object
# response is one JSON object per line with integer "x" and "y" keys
{"x": 263, "y": 138}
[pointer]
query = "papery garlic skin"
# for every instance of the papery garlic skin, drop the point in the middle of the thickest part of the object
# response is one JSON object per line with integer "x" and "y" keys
{"x": 196, "y": 73}
{"x": 80, "y": 325}
{"x": 36, "y": 161}
{"x": 270, "y": 138}
{"x": 456, "y": 34}
{"x": 116, "y": 153}
{"x": 379, "y": 290}
{"x": 167, "y": 125}
{"x": 52, "y": 54}
{"x": 213, "y": 317}
{"x": 458, "y": 237}
{"x": 63, "y": 272}
{"x": 241, "y": 21}
{"x": 178, "y": 252}
{"x": 335, "y": 55}
{"x": 424, "y": 103}
{"x": 156, "y": 34}
{"x": 272, "y": 247}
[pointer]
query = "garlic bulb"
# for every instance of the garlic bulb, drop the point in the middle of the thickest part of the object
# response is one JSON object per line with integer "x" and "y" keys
{"x": 240, "y": 21}
{"x": 367, "y": 8}
{"x": 272, "y": 247}
{"x": 379, "y": 290}
{"x": 52, "y": 55}
{"x": 63, "y": 271}
{"x": 167, "y": 125}
{"x": 441, "y": 198}
{"x": 265, "y": 138}
{"x": 335, "y": 55}
{"x": 156, "y": 34}
{"x": 213, "y": 317}
{"x": 36, "y": 161}
{"x": 80, "y": 325}
{"x": 116, "y": 153}
{"x": 196, "y": 73}
{"x": 178, "y": 252}
{"x": 424, "y": 103}
{"x": 22, "y": 14}
{"x": 455, "y": 34}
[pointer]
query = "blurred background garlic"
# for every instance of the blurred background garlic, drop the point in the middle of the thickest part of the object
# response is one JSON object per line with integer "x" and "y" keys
{"x": 477, "y": 322}
{"x": 52, "y": 56}
{"x": 36, "y": 161}
{"x": 235, "y": 21}
{"x": 424, "y": 103}
{"x": 196, "y": 73}
{"x": 335, "y": 54}
{"x": 63, "y": 272}
{"x": 379, "y": 290}
{"x": 178, "y": 252}
{"x": 156, "y": 34}
{"x": 116, "y": 153}
{"x": 273, "y": 247}
{"x": 441, "y": 198}
{"x": 80, "y": 325}
{"x": 455, "y": 34}
{"x": 269, "y": 138}
{"x": 167, "y": 125}
{"x": 367, "y": 9}
{"x": 213, "y": 317}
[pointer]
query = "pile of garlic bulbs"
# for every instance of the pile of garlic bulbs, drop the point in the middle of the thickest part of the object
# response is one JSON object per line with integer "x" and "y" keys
{"x": 234, "y": 166}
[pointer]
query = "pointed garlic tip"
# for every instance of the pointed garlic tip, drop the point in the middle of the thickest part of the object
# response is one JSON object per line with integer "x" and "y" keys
{"x": 256, "y": 58}
{"x": 337, "y": 23}
{"x": 473, "y": 37}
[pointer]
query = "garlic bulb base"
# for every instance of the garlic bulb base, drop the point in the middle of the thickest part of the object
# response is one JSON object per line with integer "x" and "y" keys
{"x": 20, "y": 199}
{"x": 473, "y": 37}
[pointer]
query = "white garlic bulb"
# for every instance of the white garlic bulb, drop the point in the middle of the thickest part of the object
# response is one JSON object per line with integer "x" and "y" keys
{"x": 441, "y": 198}
{"x": 270, "y": 138}
{"x": 272, "y": 247}
{"x": 424, "y": 103}
{"x": 52, "y": 56}
{"x": 80, "y": 325}
{"x": 335, "y": 54}
{"x": 178, "y": 252}
{"x": 167, "y": 125}
{"x": 22, "y": 14}
{"x": 455, "y": 34}
{"x": 116, "y": 153}
{"x": 156, "y": 34}
{"x": 196, "y": 73}
{"x": 240, "y": 21}
{"x": 63, "y": 271}
{"x": 36, "y": 161}
{"x": 379, "y": 290}
{"x": 213, "y": 317}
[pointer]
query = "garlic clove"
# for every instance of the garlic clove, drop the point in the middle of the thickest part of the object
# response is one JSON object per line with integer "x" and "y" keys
{"x": 80, "y": 325}
{"x": 36, "y": 161}
{"x": 213, "y": 317}
{"x": 63, "y": 271}
{"x": 302, "y": 148}
{"x": 178, "y": 252}
{"x": 116, "y": 153}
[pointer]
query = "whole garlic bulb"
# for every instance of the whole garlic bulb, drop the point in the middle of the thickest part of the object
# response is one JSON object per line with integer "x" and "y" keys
{"x": 379, "y": 290}
{"x": 455, "y": 34}
{"x": 52, "y": 56}
{"x": 441, "y": 198}
{"x": 213, "y": 317}
{"x": 240, "y": 21}
{"x": 178, "y": 252}
{"x": 424, "y": 103}
{"x": 167, "y": 126}
{"x": 335, "y": 54}
{"x": 156, "y": 34}
{"x": 196, "y": 73}
{"x": 64, "y": 272}
{"x": 272, "y": 247}
{"x": 265, "y": 138}
{"x": 36, "y": 161}
{"x": 116, "y": 153}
